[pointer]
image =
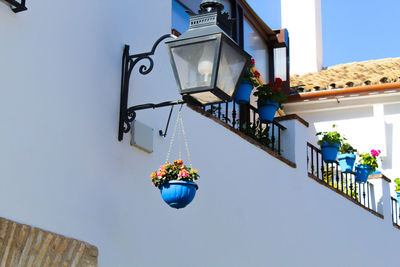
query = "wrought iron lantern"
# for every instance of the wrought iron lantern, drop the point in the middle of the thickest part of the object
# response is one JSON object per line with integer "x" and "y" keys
{"x": 207, "y": 63}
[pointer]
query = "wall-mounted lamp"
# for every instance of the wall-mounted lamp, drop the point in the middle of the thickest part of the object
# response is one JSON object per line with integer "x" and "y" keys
{"x": 207, "y": 63}
{"x": 16, "y": 6}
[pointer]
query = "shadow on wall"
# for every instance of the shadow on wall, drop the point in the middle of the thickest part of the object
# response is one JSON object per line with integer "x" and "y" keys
{"x": 387, "y": 161}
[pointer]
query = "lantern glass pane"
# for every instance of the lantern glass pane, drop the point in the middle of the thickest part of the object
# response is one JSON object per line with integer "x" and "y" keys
{"x": 194, "y": 63}
{"x": 206, "y": 98}
{"x": 231, "y": 64}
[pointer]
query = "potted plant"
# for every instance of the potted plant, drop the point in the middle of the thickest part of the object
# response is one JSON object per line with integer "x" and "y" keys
{"x": 249, "y": 81}
{"x": 330, "y": 144}
{"x": 366, "y": 165}
{"x": 270, "y": 98}
{"x": 176, "y": 183}
{"x": 397, "y": 181}
{"x": 346, "y": 157}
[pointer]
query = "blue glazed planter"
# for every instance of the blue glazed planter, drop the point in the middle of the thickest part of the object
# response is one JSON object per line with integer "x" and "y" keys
{"x": 266, "y": 111}
{"x": 178, "y": 194}
{"x": 362, "y": 172}
{"x": 329, "y": 152}
{"x": 242, "y": 95}
{"x": 346, "y": 162}
{"x": 398, "y": 198}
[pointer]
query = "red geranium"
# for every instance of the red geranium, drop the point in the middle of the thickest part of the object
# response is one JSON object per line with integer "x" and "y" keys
{"x": 278, "y": 81}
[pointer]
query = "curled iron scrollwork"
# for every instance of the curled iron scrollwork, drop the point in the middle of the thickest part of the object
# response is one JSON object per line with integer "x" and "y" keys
{"x": 126, "y": 115}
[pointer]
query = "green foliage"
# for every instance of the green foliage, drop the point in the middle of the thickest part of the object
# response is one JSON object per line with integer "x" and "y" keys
{"x": 347, "y": 148}
{"x": 368, "y": 159}
{"x": 250, "y": 77}
{"x": 331, "y": 137}
{"x": 271, "y": 92}
{"x": 345, "y": 184}
{"x": 397, "y": 181}
{"x": 257, "y": 131}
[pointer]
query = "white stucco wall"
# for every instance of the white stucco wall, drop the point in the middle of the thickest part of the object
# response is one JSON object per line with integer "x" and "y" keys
{"x": 62, "y": 168}
{"x": 369, "y": 122}
{"x": 303, "y": 21}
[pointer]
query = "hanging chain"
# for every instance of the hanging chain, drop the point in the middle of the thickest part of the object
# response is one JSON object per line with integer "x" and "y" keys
{"x": 186, "y": 143}
{"x": 179, "y": 135}
{"x": 172, "y": 138}
{"x": 179, "y": 126}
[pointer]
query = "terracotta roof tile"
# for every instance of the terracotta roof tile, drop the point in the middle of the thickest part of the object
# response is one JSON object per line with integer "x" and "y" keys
{"x": 364, "y": 73}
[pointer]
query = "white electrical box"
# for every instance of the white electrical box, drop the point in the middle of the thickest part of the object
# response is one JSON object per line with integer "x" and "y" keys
{"x": 142, "y": 136}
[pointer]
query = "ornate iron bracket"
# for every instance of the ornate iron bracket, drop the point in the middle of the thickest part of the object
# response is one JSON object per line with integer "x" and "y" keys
{"x": 127, "y": 115}
{"x": 16, "y": 6}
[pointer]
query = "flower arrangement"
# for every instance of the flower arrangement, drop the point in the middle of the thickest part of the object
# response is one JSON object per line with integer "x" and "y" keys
{"x": 177, "y": 171}
{"x": 397, "y": 181}
{"x": 271, "y": 92}
{"x": 370, "y": 159}
{"x": 330, "y": 137}
{"x": 250, "y": 76}
{"x": 346, "y": 148}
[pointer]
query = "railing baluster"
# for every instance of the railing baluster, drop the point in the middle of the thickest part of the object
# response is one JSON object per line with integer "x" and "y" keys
{"x": 337, "y": 177}
{"x": 272, "y": 135}
{"x": 234, "y": 114}
{"x": 317, "y": 156}
{"x": 279, "y": 141}
{"x": 312, "y": 160}
{"x": 341, "y": 181}
{"x": 364, "y": 193}
{"x": 226, "y": 112}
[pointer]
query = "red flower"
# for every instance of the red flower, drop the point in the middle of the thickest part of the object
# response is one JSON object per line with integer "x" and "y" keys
{"x": 276, "y": 89}
{"x": 278, "y": 81}
{"x": 257, "y": 74}
{"x": 270, "y": 84}
{"x": 253, "y": 61}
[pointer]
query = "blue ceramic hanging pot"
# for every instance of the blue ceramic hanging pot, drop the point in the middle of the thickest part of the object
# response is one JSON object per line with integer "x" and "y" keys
{"x": 329, "y": 151}
{"x": 267, "y": 110}
{"x": 242, "y": 95}
{"x": 346, "y": 162}
{"x": 362, "y": 172}
{"x": 178, "y": 194}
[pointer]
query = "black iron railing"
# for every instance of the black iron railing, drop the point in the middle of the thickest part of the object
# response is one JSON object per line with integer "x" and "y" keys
{"x": 245, "y": 119}
{"x": 344, "y": 183}
{"x": 395, "y": 212}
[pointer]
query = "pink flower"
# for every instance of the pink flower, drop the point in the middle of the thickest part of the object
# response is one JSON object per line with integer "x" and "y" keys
{"x": 183, "y": 174}
{"x": 375, "y": 153}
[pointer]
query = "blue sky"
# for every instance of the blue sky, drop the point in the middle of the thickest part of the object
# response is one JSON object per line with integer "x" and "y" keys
{"x": 352, "y": 30}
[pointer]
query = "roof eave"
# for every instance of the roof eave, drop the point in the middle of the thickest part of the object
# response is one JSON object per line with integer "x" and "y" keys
{"x": 350, "y": 91}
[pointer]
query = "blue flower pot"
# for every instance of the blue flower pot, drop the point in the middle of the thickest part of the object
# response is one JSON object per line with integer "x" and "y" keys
{"x": 242, "y": 95}
{"x": 178, "y": 194}
{"x": 329, "y": 152}
{"x": 362, "y": 172}
{"x": 346, "y": 162}
{"x": 266, "y": 111}
{"x": 398, "y": 198}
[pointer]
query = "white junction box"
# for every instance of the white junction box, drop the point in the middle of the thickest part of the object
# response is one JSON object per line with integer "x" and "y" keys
{"x": 142, "y": 136}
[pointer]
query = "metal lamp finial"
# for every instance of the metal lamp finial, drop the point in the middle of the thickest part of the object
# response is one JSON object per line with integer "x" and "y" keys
{"x": 211, "y": 5}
